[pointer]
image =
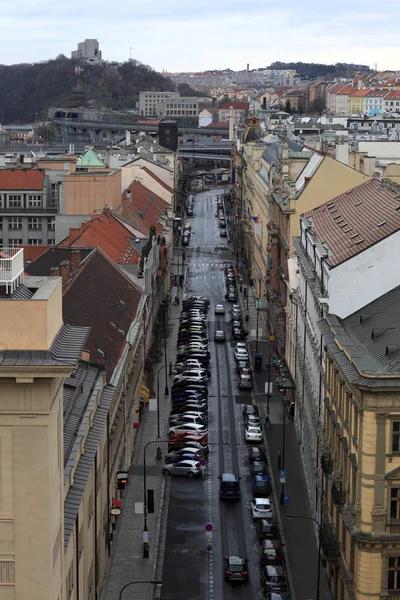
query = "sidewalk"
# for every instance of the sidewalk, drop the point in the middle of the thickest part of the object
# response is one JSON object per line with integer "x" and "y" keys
{"x": 300, "y": 535}
{"x": 126, "y": 563}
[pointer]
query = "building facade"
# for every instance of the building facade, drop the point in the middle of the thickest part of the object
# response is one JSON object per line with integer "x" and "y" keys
{"x": 88, "y": 50}
{"x": 361, "y": 459}
{"x": 239, "y": 112}
{"x": 149, "y": 102}
{"x": 29, "y": 203}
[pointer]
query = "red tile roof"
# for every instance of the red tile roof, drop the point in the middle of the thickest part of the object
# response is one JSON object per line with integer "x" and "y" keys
{"x": 377, "y": 93}
{"x": 104, "y": 231}
{"x": 160, "y": 181}
{"x": 21, "y": 179}
{"x": 359, "y": 93}
{"x": 143, "y": 208}
{"x": 98, "y": 295}
{"x": 357, "y": 219}
{"x": 394, "y": 95}
{"x": 236, "y": 105}
{"x": 345, "y": 91}
{"x": 31, "y": 253}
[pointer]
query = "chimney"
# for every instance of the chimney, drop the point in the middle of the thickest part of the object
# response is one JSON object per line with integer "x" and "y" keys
{"x": 54, "y": 272}
{"x": 107, "y": 209}
{"x": 75, "y": 259}
{"x": 65, "y": 270}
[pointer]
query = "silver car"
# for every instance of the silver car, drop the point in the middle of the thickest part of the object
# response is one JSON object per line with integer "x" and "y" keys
{"x": 188, "y": 468}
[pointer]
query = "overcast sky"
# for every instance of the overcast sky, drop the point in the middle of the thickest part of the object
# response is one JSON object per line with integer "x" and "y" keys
{"x": 183, "y": 35}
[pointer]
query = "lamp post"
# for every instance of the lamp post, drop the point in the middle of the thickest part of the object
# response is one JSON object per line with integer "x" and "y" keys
{"x": 155, "y": 581}
{"x": 145, "y": 529}
{"x": 319, "y": 545}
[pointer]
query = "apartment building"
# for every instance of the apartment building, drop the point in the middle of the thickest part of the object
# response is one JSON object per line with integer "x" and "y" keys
{"x": 149, "y": 102}
{"x": 88, "y": 50}
{"x": 239, "y": 112}
{"x": 342, "y": 100}
{"x": 29, "y": 204}
{"x": 391, "y": 102}
{"x": 374, "y": 101}
{"x": 361, "y": 452}
{"x": 342, "y": 258}
{"x": 356, "y": 101}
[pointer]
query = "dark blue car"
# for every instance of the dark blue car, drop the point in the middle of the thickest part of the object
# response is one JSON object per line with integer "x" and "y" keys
{"x": 174, "y": 459}
{"x": 261, "y": 485}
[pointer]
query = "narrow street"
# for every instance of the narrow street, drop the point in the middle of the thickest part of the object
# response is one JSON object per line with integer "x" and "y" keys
{"x": 191, "y": 570}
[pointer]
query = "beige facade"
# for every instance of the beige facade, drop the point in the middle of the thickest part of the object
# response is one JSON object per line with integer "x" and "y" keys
{"x": 158, "y": 180}
{"x": 361, "y": 483}
{"x": 86, "y": 192}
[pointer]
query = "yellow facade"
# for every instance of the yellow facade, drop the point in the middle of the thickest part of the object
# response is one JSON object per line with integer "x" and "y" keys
{"x": 356, "y": 105}
{"x": 363, "y": 560}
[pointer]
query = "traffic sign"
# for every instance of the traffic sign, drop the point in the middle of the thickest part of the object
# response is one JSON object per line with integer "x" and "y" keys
{"x": 208, "y": 527}
{"x": 282, "y": 476}
{"x": 286, "y": 499}
{"x": 202, "y": 462}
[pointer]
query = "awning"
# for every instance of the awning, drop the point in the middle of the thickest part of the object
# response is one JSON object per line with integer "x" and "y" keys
{"x": 144, "y": 393}
{"x": 116, "y": 503}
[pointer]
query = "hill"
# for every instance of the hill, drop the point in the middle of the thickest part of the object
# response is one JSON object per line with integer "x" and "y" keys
{"x": 315, "y": 70}
{"x": 28, "y": 90}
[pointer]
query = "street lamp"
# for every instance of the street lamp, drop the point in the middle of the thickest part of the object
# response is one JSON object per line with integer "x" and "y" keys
{"x": 319, "y": 545}
{"x": 145, "y": 528}
{"x": 156, "y": 581}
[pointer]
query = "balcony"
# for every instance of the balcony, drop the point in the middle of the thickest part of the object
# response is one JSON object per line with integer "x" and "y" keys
{"x": 329, "y": 541}
{"x": 11, "y": 268}
{"x": 338, "y": 495}
{"x": 327, "y": 464}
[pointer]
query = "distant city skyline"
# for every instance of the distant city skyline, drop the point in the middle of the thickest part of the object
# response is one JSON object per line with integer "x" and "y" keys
{"x": 177, "y": 36}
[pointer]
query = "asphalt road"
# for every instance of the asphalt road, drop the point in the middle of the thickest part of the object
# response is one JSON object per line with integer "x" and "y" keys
{"x": 193, "y": 565}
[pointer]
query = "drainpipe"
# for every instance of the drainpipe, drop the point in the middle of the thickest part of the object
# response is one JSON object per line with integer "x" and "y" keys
{"x": 96, "y": 563}
{"x": 77, "y": 555}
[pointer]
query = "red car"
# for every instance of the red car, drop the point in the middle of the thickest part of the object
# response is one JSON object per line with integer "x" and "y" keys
{"x": 246, "y": 371}
{"x": 181, "y": 439}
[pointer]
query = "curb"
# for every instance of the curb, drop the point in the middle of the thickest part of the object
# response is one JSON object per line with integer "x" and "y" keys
{"x": 162, "y": 523}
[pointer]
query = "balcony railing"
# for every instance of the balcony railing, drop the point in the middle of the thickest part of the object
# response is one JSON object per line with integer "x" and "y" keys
{"x": 329, "y": 541}
{"x": 327, "y": 464}
{"x": 338, "y": 495}
{"x": 11, "y": 268}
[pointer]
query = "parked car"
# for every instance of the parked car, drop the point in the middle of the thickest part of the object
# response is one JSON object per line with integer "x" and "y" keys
{"x": 187, "y": 443}
{"x": 187, "y": 428}
{"x": 236, "y": 569}
{"x": 190, "y": 468}
{"x": 182, "y": 438}
{"x": 258, "y": 467}
{"x": 261, "y": 508}
{"x": 249, "y": 409}
{"x": 219, "y": 309}
{"x": 231, "y": 297}
{"x": 273, "y": 580}
{"x": 186, "y": 419}
{"x": 241, "y": 354}
{"x": 245, "y": 382}
{"x": 271, "y": 553}
{"x": 256, "y": 453}
{"x": 223, "y": 233}
{"x": 253, "y": 421}
{"x": 261, "y": 485}
{"x": 239, "y": 333}
{"x": 172, "y": 460}
{"x": 191, "y": 375}
{"x": 198, "y": 452}
{"x": 229, "y": 487}
{"x": 253, "y": 434}
{"x": 266, "y": 530}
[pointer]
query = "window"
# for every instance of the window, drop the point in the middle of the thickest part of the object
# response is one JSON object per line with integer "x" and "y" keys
{"x": 15, "y": 243}
{"x": 394, "y": 573}
{"x": 395, "y": 436}
{"x": 35, "y": 242}
{"x": 15, "y": 223}
{"x": 15, "y": 201}
{"x": 51, "y": 242}
{"x": 34, "y": 223}
{"x": 34, "y": 201}
{"x": 1, "y": 223}
{"x": 395, "y": 503}
{"x": 1, "y": 200}
{"x": 54, "y": 194}
{"x": 51, "y": 223}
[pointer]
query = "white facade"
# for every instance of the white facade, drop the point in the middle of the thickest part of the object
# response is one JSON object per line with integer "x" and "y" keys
{"x": 342, "y": 104}
{"x": 88, "y": 50}
{"x": 373, "y": 102}
{"x": 149, "y": 101}
{"x": 392, "y": 104}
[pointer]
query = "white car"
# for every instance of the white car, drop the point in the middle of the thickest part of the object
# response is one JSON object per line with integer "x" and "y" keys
{"x": 191, "y": 363}
{"x": 241, "y": 354}
{"x": 219, "y": 309}
{"x": 261, "y": 508}
{"x": 189, "y": 427}
{"x": 184, "y": 419}
{"x": 253, "y": 434}
{"x": 193, "y": 376}
{"x": 189, "y": 468}
{"x": 241, "y": 345}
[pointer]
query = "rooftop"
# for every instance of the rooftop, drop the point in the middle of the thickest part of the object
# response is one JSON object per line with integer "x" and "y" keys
{"x": 160, "y": 181}
{"x": 90, "y": 159}
{"x": 235, "y": 104}
{"x": 21, "y": 179}
{"x": 53, "y": 257}
{"x": 143, "y": 208}
{"x": 367, "y": 343}
{"x": 357, "y": 219}
{"x": 109, "y": 234}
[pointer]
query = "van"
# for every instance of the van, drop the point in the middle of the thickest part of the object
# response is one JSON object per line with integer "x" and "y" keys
{"x": 229, "y": 488}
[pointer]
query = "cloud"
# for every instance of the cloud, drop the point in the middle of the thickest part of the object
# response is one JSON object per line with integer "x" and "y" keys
{"x": 185, "y": 36}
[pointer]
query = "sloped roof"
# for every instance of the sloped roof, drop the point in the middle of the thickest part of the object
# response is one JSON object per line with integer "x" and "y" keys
{"x": 106, "y": 232}
{"x": 236, "y": 105}
{"x": 32, "y": 253}
{"x": 345, "y": 91}
{"x": 395, "y": 94}
{"x": 160, "y": 181}
{"x": 90, "y": 159}
{"x": 357, "y": 219}
{"x": 143, "y": 208}
{"x": 100, "y": 296}
{"x": 359, "y": 93}
{"x": 53, "y": 257}
{"x": 21, "y": 179}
